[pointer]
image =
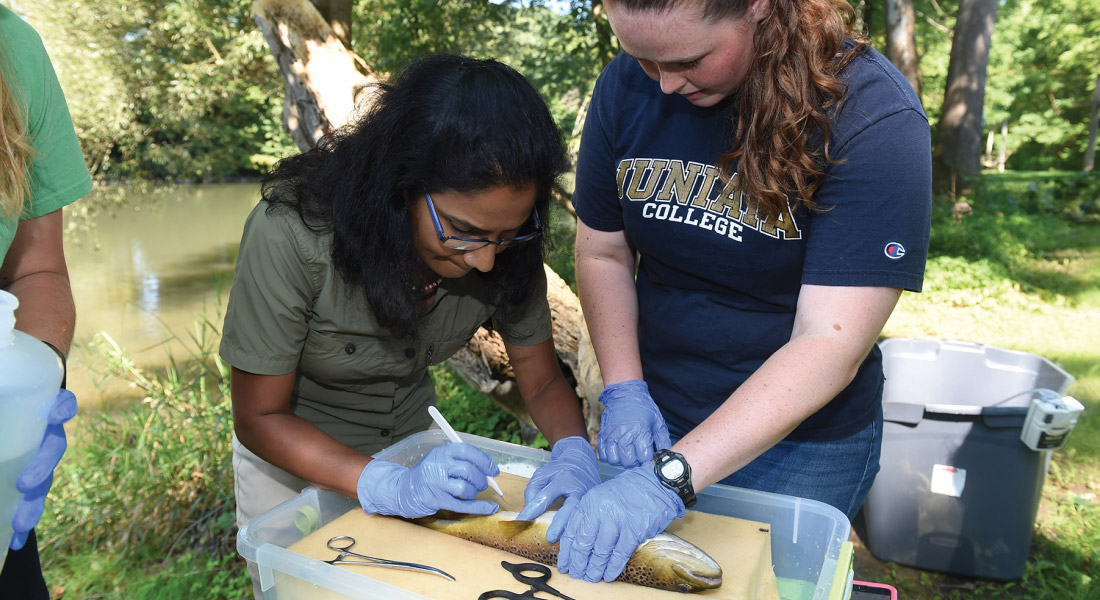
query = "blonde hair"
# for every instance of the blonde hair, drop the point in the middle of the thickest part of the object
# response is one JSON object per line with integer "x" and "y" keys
{"x": 15, "y": 148}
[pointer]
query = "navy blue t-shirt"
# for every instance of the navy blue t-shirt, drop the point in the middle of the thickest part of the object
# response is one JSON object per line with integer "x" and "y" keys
{"x": 717, "y": 286}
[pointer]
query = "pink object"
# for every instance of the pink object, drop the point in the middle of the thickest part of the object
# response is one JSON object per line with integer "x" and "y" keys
{"x": 873, "y": 590}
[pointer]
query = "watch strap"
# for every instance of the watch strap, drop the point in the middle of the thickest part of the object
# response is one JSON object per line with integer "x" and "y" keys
{"x": 682, "y": 484}
{"x": 64, "y": 362}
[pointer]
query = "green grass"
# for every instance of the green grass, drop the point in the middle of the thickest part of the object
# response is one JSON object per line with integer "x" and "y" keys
{"x": 470, "y": 411}
{"x": 142, "y": 507}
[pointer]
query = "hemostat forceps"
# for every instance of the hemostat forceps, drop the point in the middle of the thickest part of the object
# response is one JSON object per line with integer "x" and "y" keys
{"x": 344, "y": 543}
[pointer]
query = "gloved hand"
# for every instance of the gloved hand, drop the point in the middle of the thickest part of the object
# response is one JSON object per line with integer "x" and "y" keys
{"x": 35, "y": 480}
{"x": 631, "y": 425}
{"x": 445, "y": 479}
{"x": 599, "y": 532}
{"x": 571, "y": 472}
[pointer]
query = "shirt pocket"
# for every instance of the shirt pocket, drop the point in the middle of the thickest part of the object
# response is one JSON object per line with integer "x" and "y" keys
{"x": 342, "y": 360}
{"x": 342, "y": 375}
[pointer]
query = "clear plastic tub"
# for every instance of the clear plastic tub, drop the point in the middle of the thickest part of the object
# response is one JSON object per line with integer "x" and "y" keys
{"x": 810, "y": 548}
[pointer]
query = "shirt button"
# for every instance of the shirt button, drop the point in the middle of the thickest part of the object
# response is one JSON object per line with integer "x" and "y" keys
{"x": 410, "y": 352}
{"x": 349, "y": 349}
{"x": 385, "y": 433}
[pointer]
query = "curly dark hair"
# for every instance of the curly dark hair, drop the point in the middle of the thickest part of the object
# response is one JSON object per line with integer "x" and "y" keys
{"x": 783, "y": 108}
{"x": 445, "y": 122}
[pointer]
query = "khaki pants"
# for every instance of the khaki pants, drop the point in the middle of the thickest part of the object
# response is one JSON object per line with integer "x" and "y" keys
{"x": 259, "y": 486}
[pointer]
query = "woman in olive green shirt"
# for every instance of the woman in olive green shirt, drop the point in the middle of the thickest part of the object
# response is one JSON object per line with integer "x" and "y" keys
{"x": 379, "y": 254}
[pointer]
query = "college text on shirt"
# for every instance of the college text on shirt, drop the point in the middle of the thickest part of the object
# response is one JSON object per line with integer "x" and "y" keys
{"x": 693, "y": 194}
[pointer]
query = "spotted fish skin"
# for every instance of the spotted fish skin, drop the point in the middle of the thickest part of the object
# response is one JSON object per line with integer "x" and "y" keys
{"x": 665, "y": 561}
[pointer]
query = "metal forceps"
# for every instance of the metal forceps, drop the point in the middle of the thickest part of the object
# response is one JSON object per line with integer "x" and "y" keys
{"x": 344, "y": 543}
{"x": 538, "y": 584}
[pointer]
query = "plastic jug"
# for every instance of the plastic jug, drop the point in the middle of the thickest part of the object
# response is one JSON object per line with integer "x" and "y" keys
{"x": 30, "y": 377}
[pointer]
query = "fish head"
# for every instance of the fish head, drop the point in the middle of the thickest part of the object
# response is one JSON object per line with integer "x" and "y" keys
{"x": 671, "y": 563}
{"x": 695, "y": 580}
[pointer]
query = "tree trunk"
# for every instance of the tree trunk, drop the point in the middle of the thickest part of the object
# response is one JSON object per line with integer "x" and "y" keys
{"x": 324, "y": 81}
{"x": 337, "y": 13}
{"x": 959, "y": 141}
{"x": 1094, "y": 118}
{"x": 323, "y": 78}
{"x": 901, "y": 41}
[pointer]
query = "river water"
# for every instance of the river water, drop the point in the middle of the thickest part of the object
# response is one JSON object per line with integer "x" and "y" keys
{"x": 145, "y": 274}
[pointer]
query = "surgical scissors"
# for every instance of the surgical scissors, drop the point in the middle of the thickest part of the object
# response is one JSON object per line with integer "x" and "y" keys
{"x": 540, "y": 583}
{"x": 344, "y": 543}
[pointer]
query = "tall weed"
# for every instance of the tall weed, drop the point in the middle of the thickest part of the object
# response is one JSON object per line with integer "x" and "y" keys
{"x": 149, "y": 487}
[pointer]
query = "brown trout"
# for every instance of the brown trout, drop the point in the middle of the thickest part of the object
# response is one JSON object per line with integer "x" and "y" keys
{"x": 664, "y": 561}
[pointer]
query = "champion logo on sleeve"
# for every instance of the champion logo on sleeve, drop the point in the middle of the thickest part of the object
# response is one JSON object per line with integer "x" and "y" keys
{"x": 894, "y": 250}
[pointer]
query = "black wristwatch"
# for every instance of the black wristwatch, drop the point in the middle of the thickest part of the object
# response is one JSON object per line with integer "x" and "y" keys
{"x": 674, "y": 472}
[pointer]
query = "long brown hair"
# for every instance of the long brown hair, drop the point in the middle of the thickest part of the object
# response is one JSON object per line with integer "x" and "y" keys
{"x": 783, "y": 107}
{"x": 15, "y": 148}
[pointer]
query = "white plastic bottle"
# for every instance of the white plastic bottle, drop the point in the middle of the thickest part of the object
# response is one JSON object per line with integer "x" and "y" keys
{"x": 30, "y": 377}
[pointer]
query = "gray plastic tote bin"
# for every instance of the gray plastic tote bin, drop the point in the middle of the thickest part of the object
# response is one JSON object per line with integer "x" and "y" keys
{"x": 958, "y": 491}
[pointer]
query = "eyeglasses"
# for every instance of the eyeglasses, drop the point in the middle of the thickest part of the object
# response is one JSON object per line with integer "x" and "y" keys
{"x": 455, "y": 242}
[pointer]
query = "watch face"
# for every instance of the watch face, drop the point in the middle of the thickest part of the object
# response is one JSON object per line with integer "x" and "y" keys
{"x": 672, "y": 469}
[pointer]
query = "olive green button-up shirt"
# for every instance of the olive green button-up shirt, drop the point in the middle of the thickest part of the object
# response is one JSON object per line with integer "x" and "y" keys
{"x": 290, "y": 309}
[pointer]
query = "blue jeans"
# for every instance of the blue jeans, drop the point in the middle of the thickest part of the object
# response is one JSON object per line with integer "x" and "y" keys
{"x": 837, "y": 472}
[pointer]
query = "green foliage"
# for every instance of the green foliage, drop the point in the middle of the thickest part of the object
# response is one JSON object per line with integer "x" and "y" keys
{"x": 470, "y": 411}
{"x": 388, "y": 32}
{"x": 189, "y": 91}
{"x": 563, "y": 233}
{"x": 1075, "y": 198}
{"x": 193, "y": 575}
{"x": 935, "y": 25}
{"x": 1042, "y": 72}
{"x": 142, "y": 506}
{"x": 1043, "y": 64}
{"x": 196, "y": 575}
{"x": 165, "y": 90}
{"x": 1017, "y": 238}
{"x": 557, "y": 53}
{"x": 933, "y": 30}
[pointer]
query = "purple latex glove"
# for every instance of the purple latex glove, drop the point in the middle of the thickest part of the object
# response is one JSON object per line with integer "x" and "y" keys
{"x": 445, "y": 479}
{"x": 570, "y": 473}
{"x": 631, "y": 425}
{"x": 600, "y": 532}
{"x": 35, "y": 480}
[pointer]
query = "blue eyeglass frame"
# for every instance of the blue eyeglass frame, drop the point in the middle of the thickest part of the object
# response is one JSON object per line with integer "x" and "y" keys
{"x": 455, "y": 242}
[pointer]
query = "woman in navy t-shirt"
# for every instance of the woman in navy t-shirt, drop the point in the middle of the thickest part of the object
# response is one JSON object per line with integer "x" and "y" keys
{"x": 754, "y": 193}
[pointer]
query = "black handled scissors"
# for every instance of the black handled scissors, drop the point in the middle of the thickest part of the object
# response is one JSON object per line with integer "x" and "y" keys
{"x": 538, "y": 583}
{"x": 344, "y": 543}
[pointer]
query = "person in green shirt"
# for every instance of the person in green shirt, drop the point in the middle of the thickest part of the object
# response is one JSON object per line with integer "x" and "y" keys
{"x": 41, "y": 171}
{"x": 378, "y": 254}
